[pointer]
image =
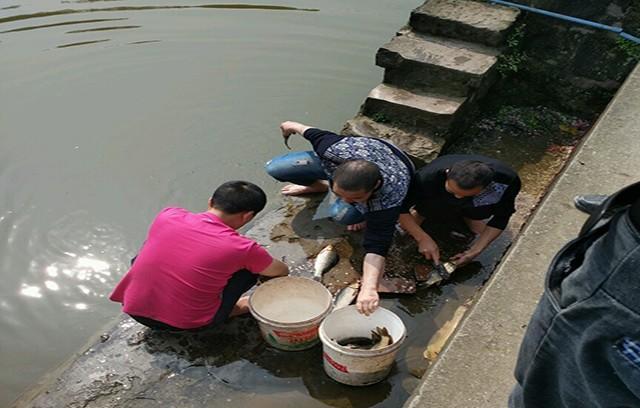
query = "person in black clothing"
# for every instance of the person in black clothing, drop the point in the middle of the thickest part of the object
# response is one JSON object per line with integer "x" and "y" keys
{"x": 472, "y": 187}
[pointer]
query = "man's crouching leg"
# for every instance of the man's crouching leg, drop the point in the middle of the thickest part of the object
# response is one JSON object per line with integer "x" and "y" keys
{"x": 233, "y": 303}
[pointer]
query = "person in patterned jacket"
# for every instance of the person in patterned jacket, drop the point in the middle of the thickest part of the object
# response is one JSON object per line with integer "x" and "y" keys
{"x": 473, "y": 188}
{"x": 370, "y": 178}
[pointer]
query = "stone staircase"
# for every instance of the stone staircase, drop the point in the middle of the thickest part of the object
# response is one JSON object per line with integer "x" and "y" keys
{"x": 436, "y": 68}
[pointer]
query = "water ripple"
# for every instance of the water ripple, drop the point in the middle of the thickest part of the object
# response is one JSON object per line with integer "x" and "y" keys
{"x": 72, "y": 263}
{"x": 265, "y": 7}
{"x": 95, "y": 20}
{"x": 85, "y": 1}
{"x": 144, "y": 42}
{"x": 81, "y": 43}
{"x": 104, "y": 29}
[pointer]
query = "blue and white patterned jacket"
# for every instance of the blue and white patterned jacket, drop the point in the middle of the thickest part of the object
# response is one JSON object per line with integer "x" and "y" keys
{"x": 383, "y": 208}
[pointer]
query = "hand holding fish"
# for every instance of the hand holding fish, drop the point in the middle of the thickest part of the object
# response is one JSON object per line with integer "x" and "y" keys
{"x": 289, "y": 128}
{"x": 429, "y": 249}
{"x": 465, "y": 257}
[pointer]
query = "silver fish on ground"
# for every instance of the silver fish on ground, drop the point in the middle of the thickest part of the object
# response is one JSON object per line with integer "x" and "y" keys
{"x": 326, "y": 259}
{"x": 346, "y": 295}
{"x": 380, "y": 338}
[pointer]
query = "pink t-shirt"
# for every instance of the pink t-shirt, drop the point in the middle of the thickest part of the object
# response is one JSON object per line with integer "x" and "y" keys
{"x": 183, "y": 267}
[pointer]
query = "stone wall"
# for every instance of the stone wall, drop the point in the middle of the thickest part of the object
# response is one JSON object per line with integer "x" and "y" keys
{"x": 569, "y": 67}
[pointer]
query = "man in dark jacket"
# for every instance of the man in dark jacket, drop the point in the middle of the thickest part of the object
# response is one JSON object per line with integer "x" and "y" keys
{"x": 471, "y": 187}
{"x": 582, "y": 345}
{"x": 371, "y": 178}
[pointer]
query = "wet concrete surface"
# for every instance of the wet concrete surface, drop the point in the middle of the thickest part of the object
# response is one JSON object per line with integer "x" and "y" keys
{"x": 130, "y": 365}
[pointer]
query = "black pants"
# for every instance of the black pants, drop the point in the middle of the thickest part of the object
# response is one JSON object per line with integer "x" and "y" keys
{"x": 239, "y": 283}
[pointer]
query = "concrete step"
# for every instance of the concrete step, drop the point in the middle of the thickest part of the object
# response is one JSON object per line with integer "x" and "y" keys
{"x": 398, "y": 105}
{"x": 442, "y": 65}
{"x": 465, "y": 20}
{"x": 422, "y": 147}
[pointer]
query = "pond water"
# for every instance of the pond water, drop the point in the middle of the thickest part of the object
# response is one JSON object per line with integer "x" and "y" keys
{"x": 111, "y": 110}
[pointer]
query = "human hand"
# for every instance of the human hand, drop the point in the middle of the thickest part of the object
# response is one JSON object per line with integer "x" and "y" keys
{"x": 367, "y": 301}
{"x": 289, "y": 128}
{"x": 429, "y": 249}
{"x": 465, "y": 257}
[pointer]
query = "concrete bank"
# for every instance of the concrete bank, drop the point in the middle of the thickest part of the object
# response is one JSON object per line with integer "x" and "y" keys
{"x": 476, "y": 369}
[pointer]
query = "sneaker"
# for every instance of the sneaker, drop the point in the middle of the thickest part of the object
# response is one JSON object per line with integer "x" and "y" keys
{"x": 589, "y": 203}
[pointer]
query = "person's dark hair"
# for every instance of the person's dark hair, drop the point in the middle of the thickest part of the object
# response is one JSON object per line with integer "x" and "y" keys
{"x": 235, "y": 196}
{"x": 357, "y": 175}
{"x": 470, "y": 174}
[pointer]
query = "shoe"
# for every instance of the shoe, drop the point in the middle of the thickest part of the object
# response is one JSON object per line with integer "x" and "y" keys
{"x": 589, "y": 203}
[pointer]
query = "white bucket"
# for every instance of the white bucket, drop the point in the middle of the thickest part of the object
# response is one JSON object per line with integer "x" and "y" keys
{"x": 359, "y": 367}
{"x": 289, "y": 311}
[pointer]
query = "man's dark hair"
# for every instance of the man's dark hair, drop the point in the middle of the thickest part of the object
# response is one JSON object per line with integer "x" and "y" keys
{"x": 357, "y": 175}
{"x": 470, "y": 174}
{"x": 236, "y": 196}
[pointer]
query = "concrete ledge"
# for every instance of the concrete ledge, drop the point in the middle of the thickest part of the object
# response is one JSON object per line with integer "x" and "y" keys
{"x": 476, "y": 369}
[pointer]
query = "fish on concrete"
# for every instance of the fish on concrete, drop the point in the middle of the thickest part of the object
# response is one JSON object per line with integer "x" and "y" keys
{"x": 346, "y": 295}
{"x": 326, "y": 259}
{"x": 380, "y": 338}
{"x": 439, "y": 339}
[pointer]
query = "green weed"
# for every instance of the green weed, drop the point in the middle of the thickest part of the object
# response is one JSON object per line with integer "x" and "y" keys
{"x": 513, "y": 57}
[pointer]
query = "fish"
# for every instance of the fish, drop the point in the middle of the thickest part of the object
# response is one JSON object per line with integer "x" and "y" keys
{"x": 440, "y": 274}
{"x": 326, "y": 259}
{"x": 356, "y": 343}
{"x": 380, "y": 338}
{"x": 439, "y": 339}
{"x": 383, "y": 336}
{"x": 286, "y": 141}
{"x": 445, "y": 269}
{"x": 346, "y": 295}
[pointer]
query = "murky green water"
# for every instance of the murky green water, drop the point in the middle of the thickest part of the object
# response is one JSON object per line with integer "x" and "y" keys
{"x": 111, "y": 110}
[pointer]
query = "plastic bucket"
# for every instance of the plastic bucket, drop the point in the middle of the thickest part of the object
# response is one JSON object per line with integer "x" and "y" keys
{"x": 289, "y": 311}
{"x": 359, "y": 367}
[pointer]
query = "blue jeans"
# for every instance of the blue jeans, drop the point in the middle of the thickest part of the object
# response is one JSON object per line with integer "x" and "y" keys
{"x": 581, "y": 345}
{"x": 305, "y": 168}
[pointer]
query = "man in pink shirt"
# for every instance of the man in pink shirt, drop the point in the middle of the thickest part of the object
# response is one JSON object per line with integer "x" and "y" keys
{"x": 193, "y": 268}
